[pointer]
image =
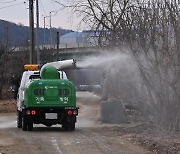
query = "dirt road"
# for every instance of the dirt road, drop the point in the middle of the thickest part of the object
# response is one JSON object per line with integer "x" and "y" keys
{"x": 89, "y": 137}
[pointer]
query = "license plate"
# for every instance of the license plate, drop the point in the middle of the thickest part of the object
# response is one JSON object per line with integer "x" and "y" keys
{"x": 51, "y": 115}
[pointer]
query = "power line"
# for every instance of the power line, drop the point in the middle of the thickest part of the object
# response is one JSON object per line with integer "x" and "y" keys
{"x": 5, "y": 2}
{"x": 43, "y": 8}
{"x": 12, "y": 5}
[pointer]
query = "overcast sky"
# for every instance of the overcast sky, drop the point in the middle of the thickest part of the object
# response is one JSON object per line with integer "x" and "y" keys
{"x": 17, "y": 11}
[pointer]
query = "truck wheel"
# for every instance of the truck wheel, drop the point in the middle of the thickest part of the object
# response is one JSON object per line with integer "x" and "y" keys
{"x": 65, "y": 126}
{"x": 69, "y": 126}
{"x": 24, "y": 123}
{"x": 30, "y": 125}
{"x": 72, "y": 127}
{"x": 19, "y": 119}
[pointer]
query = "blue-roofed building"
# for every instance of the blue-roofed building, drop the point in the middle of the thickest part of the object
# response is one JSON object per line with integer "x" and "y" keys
{"x": 71, "y": 38}
{"x": 85, "y": 38}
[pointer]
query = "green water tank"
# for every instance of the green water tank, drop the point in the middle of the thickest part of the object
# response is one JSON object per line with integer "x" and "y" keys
{"x": 49, "y": 72}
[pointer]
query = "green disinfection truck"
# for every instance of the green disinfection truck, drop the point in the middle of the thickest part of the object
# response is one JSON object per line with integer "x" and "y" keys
{"x": 48, "y": 100}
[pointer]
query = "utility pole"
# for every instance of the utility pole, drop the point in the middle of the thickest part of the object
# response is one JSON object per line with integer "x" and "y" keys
{"x": 44, "y": 31}
{"x": 50, "y": 30}
{"x": 6, "y": 38}
{"x": 37, "y": 32}
{"x": 31, "y": 25}
{"x": 58, "y": 40}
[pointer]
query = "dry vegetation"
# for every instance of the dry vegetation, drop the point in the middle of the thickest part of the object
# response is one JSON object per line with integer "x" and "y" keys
{"x": 150, "y": 31}
{"x": 7, "y": 106}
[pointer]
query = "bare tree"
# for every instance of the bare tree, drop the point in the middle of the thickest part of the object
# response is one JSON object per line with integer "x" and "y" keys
{"x": 155, "y": 45}
{"x": 104, "y": 16}
{"x": 150, "y": 29}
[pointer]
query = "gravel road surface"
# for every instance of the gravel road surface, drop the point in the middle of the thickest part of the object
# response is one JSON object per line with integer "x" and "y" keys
{"x": 90, "y": 136}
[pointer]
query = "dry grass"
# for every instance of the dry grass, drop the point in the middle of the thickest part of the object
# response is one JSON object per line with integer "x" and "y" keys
{"x": 7, "y": 106}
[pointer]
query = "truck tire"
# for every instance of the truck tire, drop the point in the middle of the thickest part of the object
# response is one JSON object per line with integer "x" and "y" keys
{"x": 72, "y": 127}
{"x": 68, "y": 126}
{"x": 65, "y": 126}
{"x": 19, "y": 119}
{"x": 30, "y": 125}
{"x": 24, "y": 123}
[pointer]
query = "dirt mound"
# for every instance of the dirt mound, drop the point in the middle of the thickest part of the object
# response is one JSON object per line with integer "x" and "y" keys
{"x": 7, "y": 106}
{"x": 159, "y": 144}
{"x": 152, "y": 138}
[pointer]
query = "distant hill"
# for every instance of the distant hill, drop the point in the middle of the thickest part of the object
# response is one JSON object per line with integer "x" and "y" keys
{"x": 18, "y": 35}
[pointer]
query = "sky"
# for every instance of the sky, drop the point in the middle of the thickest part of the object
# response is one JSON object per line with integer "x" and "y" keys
{"x": 16, "y": 11}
